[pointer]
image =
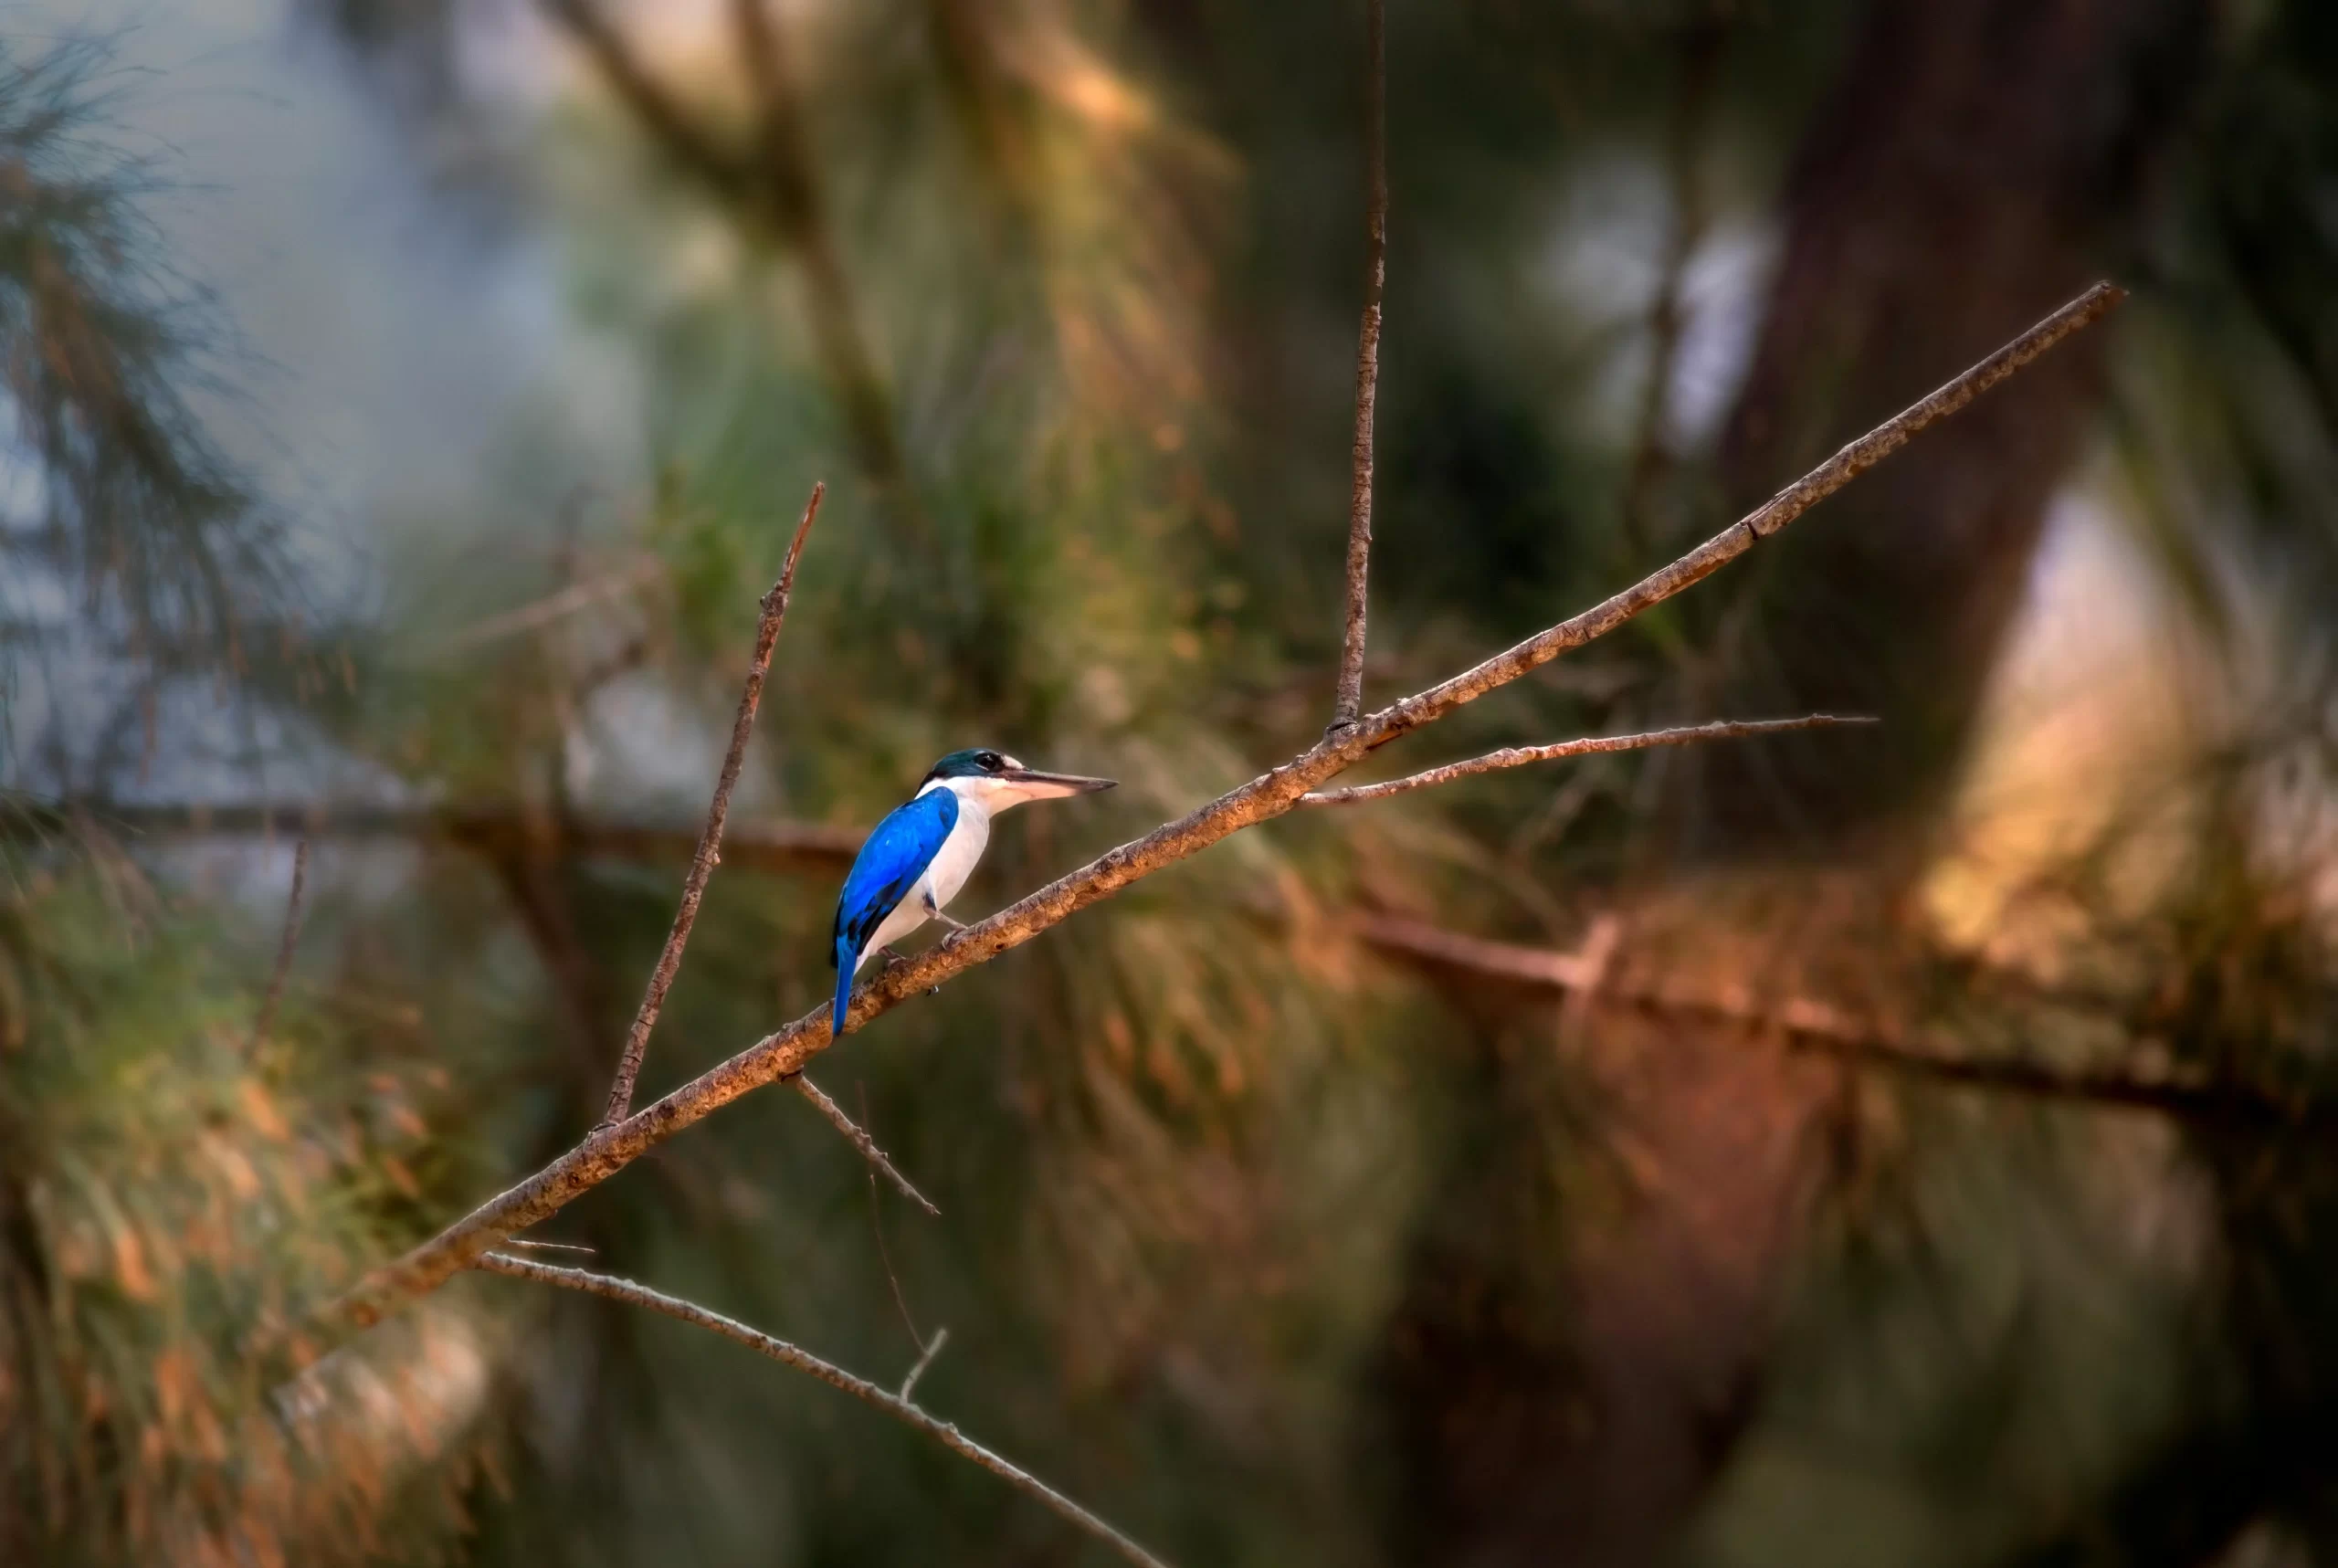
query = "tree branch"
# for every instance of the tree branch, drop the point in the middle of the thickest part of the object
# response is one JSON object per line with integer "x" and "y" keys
{"x": 284, "y": 945}
{"x": 1348, "y": 700}
{"x": 862, "y": 1142}
{"x": 771, "y": 847}
{"x": 896, "y": 1405}
{"x": 710, "y": 841}
{"x": 1518, "y": 756}
{"x": 784, "y": 1052}
{"x": 780, "y": 196}
{"x": 1811, "y": 1024}
{"x": 667, "y": 122}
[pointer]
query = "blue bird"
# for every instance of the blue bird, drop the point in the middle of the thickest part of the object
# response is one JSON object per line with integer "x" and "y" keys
{"x": 923, "y": 853}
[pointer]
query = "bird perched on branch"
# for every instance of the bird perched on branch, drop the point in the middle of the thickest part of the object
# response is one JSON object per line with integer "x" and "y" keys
{"x": 923, "y": 853}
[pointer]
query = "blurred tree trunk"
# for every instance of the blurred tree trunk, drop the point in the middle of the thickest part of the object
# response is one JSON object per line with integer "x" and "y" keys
{"x": 1980, "y": 162}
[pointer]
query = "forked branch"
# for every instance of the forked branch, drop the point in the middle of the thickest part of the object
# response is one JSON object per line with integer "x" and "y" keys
{"x": 1590, "y": 745}
{"x": 894, "y": 1404}
{"x": 785, "y": 1052}
{"x": 710, "y": 841}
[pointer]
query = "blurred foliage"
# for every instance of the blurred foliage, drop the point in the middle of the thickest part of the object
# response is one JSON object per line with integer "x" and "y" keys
{"x": 1267, "y": 1249}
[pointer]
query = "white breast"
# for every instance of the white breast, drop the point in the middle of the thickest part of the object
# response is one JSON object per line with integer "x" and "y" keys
{"x": 954, "y": 861}
{"x": 946, "y": 873}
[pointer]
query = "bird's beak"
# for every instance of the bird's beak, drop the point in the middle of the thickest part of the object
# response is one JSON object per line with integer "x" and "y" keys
{"x": 1030, "y": 783}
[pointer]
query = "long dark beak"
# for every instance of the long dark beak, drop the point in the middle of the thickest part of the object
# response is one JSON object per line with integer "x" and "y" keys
{"x": 1033, "y": 784}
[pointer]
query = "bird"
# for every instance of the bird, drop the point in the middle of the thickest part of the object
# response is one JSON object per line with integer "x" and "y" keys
{"x": 924, "y": 850}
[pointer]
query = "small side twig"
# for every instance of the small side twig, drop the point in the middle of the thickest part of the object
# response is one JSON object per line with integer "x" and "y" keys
{"x": 932, "y": 1349}
{"x": 946, "y": 1433}
{"x": 1518, "y": 756}
{"x": 284, "y": 945}
{"x": 710, "y": 843}
{"x": 1348, "y": 700}
{"x": 862, "y": 1142}
{"x": 548, "y": 1245}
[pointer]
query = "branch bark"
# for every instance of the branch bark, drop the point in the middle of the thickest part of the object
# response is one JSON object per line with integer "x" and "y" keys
{"x": 1812, "y": 1025}
{"x": 710, "y": 841}
{"x": 785, "y": 1052}
{"x": 896, "y": 1405}
{"x": 1592, "y": 745}
{"x": 1348, "y": 700}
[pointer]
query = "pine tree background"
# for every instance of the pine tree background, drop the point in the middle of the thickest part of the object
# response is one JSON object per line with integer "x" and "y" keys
{"x": 405, "y": 424}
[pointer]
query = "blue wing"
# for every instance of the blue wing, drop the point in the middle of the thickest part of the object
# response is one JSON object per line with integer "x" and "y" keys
{"x": 888, "y": 865}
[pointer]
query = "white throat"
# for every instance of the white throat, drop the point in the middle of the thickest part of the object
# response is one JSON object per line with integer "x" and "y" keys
{"x": 985, "y": 796}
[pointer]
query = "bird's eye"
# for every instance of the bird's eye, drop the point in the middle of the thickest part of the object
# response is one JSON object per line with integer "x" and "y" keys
{"x": 992, "y": 761}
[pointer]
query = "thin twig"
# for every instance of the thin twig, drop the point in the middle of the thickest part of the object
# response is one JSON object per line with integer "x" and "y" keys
{"x": 1349, "y": 698}
{"x": 862, "y": 1142}
{"x": 710, "y": 843}
{"x": 932, "y": 1349}
{"x": 284, "y": 945}
{"x": 944, "y": 1432}
{"x": 1518, "y": 756}
{"x": 1810, "y": 1025}
{"x": 548, "y": 1245}
{"x": 884, "y": 1253}
{"x": 784, "y": 1052}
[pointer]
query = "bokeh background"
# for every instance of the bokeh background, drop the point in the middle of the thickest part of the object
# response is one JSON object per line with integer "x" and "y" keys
{"x": 409, "y": 400}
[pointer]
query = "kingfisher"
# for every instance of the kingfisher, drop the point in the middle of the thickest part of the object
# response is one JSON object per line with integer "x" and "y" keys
{"x": 924, "y": 850}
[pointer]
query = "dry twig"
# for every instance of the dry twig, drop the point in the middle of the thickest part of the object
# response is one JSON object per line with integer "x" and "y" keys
{"x": 1348, "y": 700}
{"x": 894, "y": 1404}
{"x": 710, "y": 841}
{"x": 784, "y": 1052}
{"x": 1518, "y": 756}
{"x": 861, "y": 1141}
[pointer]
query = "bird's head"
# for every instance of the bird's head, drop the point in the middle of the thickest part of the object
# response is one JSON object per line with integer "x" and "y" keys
{"x": 999, "y": 781}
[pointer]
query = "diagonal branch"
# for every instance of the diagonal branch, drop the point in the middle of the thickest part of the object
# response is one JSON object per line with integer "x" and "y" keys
{"x": 1811, "y": 1024}
{"x": 779, "y": 193}
{"x": 785, "y": 1052}
{"x": 860, "y": 1140}
{"x": 710, "y": 842}
{"x": 1591, "y": 745}
{"x": 896, "y": 1405}
{"x": 1348, "y": 700}
{"x": 667, "y": 122}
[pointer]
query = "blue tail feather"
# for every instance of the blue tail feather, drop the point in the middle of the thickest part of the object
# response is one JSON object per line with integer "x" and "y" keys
{"x": 846, "y": 958}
